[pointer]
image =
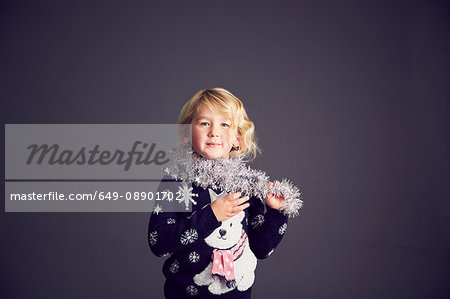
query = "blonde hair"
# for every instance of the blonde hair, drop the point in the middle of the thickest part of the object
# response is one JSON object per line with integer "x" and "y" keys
{"x": 225, "y": 103}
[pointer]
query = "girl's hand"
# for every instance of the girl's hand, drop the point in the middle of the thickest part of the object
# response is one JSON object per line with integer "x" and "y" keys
{"x": 274, "y": 202}
{"x": 228, "y": 206}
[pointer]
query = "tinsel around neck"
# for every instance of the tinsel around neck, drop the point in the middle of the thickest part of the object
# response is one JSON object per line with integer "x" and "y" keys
{"x": 231, "y": 175}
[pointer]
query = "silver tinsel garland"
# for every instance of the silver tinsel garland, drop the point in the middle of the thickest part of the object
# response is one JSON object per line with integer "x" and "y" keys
{"x": 231, "y": 175}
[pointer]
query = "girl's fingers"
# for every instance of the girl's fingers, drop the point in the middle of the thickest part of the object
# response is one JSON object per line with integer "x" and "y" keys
{"x": 233, "y": 196}
{"x": 242, "y": 200}
{"x": 236, "y": 198}
{"x": 243, "y": 207}
{"x": 237, "y": 203}
{"x": 238, "y": 208}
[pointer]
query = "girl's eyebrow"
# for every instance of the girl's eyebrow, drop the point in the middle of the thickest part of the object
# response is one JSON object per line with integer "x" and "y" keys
{"x": 200, "y": 117}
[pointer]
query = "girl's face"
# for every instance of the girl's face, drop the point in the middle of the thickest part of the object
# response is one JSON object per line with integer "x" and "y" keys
{"x": 212, "y": 135}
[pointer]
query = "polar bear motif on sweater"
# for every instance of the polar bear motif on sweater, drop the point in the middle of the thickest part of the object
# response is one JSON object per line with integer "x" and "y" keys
{"x": 225, "y": 237}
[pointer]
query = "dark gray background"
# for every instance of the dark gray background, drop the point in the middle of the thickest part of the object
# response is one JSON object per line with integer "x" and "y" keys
{"x": 350, "y": 101}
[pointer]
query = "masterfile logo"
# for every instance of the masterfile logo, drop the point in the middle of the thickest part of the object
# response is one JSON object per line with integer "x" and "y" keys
{"x": 87, "y": 151}
{"x": 52, "y": 155}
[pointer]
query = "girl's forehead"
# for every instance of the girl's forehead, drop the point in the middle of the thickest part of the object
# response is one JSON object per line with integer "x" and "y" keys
{"x": 204, "y": 111}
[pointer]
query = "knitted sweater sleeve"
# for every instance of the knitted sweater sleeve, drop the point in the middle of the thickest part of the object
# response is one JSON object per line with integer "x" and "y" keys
{"x": 265, "y": 230}
{"x": 172, "y": 232}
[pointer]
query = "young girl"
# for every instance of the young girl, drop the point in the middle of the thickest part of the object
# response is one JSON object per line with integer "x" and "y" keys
{"x": 213, "y": 249}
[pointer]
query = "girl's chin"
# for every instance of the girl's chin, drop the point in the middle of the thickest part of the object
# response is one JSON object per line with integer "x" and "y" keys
{"x": 210, "y": 153}
{"x": 213, "y": 155}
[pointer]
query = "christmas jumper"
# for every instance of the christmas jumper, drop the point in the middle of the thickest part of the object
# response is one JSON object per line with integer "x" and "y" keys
{"x": 208, "y": 258}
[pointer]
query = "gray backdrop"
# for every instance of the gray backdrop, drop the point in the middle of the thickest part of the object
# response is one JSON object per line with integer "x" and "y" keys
{"x": 350, "y": 101}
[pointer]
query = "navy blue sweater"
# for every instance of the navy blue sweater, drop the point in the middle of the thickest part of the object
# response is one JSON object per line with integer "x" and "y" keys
{"x": 189, "y": 238}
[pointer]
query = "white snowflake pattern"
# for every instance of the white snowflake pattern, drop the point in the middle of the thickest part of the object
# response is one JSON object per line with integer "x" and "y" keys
{"x": 257, "y": 221}
{"x": 171, "y": 220}
{"x": 174, "y": 267}
{"x": 189, "y": 237}
{"x": 270, "y": 252}
{"x": 153, "y": 237}
{"x": 282, "y": 229}
{"x": 191, "y": 290}
{"x": 157, "y": 209}
{"x": 166, "y": 254}
{"x": 194, "y": 257}
{"x": 184, "y": 194}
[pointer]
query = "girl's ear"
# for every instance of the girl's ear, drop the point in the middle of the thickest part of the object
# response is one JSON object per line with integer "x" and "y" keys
{"x": 186, "y": 140}
{"x": 235, "y": 143}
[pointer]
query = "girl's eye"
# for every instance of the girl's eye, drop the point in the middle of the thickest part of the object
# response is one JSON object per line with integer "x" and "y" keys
{"x": 204, "y": 124}
{"x": 225, "y": 125}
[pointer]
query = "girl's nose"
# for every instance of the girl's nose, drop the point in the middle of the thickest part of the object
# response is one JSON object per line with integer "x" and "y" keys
{"x": 213, "y": 132}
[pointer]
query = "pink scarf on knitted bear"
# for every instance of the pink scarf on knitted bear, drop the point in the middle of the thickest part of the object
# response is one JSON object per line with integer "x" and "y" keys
{"x": 223, "y": 261}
